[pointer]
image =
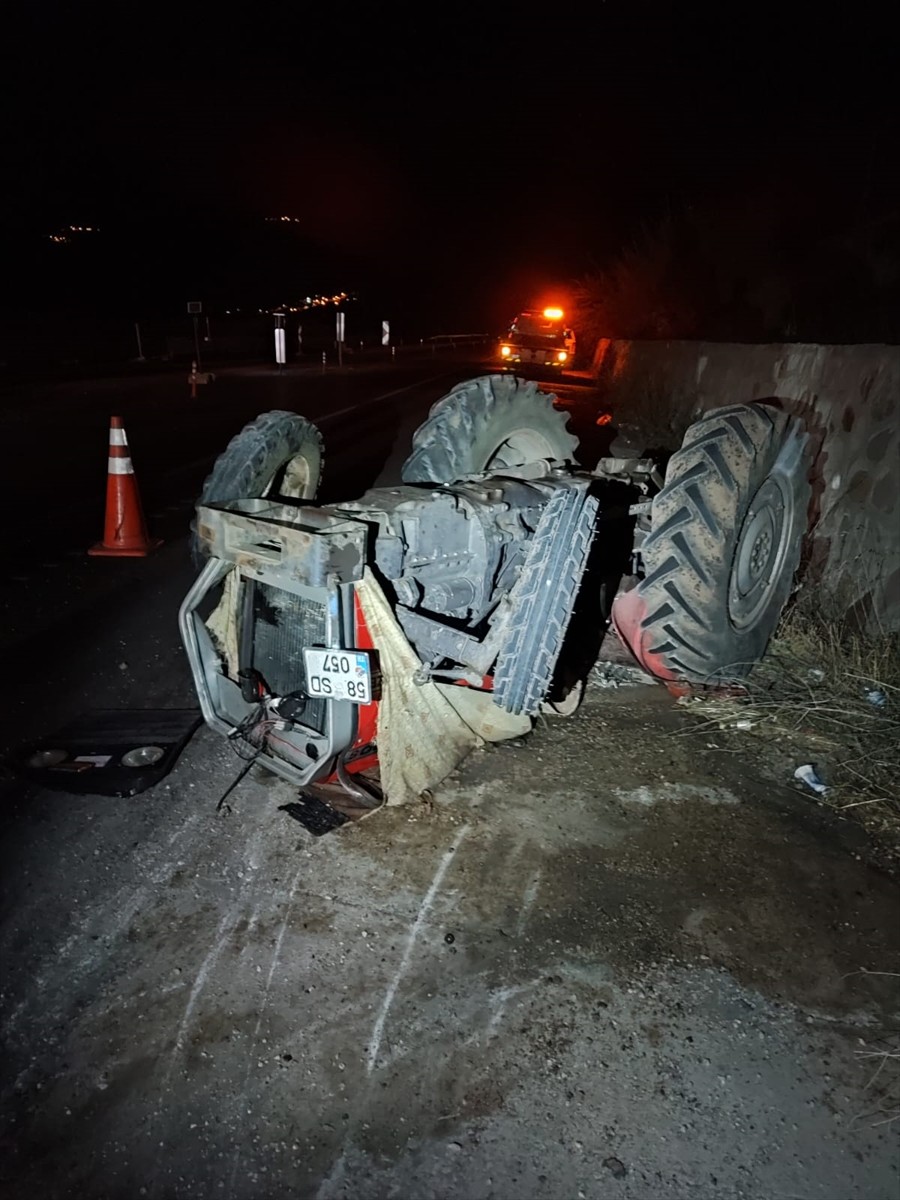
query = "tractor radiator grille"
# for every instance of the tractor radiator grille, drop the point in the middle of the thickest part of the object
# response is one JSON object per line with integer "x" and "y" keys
{"x": 282, "y": 625}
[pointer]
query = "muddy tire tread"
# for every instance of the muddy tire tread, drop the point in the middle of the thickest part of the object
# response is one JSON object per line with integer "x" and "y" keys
{"x": 249, "y": 460}
{"x": 476, "y": 414}
{"x": 696, "y": 517}
{"x": 543, "y": 599}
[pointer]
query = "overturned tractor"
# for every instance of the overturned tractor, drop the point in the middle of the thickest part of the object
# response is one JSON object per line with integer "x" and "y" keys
{"x": 393, "y": 631}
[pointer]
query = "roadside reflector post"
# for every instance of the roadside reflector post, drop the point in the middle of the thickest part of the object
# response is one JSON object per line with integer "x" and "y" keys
{"x": 197, "y": 377}
{"x": 280, "y": 351}
{"x": 195, "y": 310}
{"x": 340, "y": 337}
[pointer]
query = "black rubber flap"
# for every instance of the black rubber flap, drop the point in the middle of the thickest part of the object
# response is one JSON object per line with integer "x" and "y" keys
{"x": 93, "y": 755}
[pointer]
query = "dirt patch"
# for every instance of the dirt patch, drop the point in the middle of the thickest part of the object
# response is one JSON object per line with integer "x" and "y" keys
{"x": 609, "y": 957}
{"x": 658, "y": 850}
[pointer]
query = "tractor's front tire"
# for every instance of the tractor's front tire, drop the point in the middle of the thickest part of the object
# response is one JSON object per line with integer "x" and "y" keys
{"x": 279, "y": 455}
{"x": 487, "y": 424}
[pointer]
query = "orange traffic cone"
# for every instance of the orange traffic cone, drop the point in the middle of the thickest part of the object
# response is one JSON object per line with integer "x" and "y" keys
{"x": 125, "y": 534}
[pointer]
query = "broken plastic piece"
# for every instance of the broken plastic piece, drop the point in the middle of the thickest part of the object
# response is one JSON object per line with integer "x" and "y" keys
{"x": 807, "y": 774}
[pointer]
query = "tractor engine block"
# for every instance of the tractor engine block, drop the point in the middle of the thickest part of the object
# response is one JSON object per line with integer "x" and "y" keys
{"x": 449, "y": 552}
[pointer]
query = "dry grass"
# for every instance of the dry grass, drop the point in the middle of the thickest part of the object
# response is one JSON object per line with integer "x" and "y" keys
{"x": 883, "y": 1086}
{"x": 654, "y": 408}
{"x": 831, "y": 695}
{"x": 840, "y": 690}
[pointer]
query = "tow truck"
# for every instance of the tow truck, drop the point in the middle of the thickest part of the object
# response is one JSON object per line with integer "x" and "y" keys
{"x": 539, "y": 337}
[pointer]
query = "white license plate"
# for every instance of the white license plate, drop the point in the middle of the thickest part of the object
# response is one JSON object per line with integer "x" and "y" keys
{"x": 339, "y": 675}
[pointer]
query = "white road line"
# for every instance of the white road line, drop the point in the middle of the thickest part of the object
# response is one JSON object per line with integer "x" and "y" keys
{"x": 93, "y": 952}
{"x": 421, "y": 916}
{"x": 276, "y": 954}
{"x": 342, "y": 412}
{"x": 500, "y": 1000}
{"x": 226, "y": 926}
{"x": 528, "y": 902}
{"x": 336, "y": 1175}
{"x": 251, "y": 929}
{"x": 318, "y": 420}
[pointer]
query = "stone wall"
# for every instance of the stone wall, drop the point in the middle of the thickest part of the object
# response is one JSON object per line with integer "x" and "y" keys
{"x": 849, "y": 398}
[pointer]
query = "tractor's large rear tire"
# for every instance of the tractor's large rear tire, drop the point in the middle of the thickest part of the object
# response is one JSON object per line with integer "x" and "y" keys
{"x": 279, "y": 455}
{"x": 487, "y": 424}
{"x": 726, "y": 535}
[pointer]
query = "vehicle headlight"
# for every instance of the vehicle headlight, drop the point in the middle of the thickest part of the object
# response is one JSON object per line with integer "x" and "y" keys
{"x": 505, "y": 351}
{"x": 562, "y": 355}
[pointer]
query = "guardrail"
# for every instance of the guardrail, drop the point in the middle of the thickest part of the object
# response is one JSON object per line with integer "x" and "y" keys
{"x": 458, "y": 339}
{"x": 101, "y": 348}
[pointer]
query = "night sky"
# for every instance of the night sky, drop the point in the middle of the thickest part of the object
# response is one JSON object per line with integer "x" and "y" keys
{"x": 452, "y": 162}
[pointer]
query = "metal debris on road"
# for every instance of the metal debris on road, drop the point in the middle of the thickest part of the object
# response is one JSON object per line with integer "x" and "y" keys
{"x": 616, "y": 675}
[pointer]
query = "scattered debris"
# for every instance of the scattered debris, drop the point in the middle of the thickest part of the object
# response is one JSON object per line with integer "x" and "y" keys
{"x": 616, "y": 675}
{"x": 807, "y": 774}
{"x": 824, "y": 687}
{"x": 724, "y": 712}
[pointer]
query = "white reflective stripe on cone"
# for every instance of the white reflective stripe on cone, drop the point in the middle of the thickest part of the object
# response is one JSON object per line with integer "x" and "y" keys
{"x": 120, "y": 466}
{"x": 117, "y": 437}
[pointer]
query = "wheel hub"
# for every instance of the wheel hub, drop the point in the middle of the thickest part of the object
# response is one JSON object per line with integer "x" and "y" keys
{"x": 759, "y": 555}
{"x": 291, "y": 481}
{"x": 520, "y": 447}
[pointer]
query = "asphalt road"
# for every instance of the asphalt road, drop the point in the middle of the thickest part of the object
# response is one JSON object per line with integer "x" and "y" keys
{"x": 622, "y": 959}
{"x": 55, "y": 440}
